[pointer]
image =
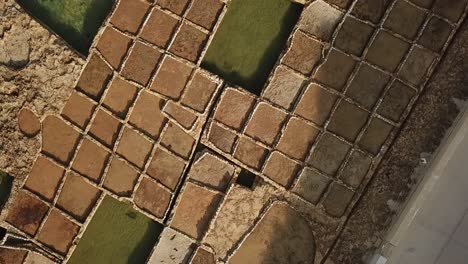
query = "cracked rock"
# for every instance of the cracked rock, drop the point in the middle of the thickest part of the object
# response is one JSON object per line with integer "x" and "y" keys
{"x": 15, "y": 51}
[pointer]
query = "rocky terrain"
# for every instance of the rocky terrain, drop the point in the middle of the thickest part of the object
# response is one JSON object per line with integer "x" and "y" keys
{"x": 37, "y": 71}
{"x": 322, "y": 175}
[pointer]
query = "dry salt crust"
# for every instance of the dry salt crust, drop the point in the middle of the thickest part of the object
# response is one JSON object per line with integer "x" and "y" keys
{"x": 348, "y": 77}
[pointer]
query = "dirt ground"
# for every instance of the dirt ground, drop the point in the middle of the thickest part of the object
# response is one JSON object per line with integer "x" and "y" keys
{"x": 38, "y": 71}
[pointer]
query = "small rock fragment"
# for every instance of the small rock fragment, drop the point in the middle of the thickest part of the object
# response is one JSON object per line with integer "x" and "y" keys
{"x": 16, "y": 51}
{"x": 28, "y": 122}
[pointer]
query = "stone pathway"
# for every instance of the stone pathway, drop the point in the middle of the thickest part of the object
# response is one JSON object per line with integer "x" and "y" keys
{"x": 208, "y": 159}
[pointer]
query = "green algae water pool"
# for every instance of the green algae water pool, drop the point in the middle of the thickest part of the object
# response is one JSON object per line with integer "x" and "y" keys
{"x": 76, "y": 21}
